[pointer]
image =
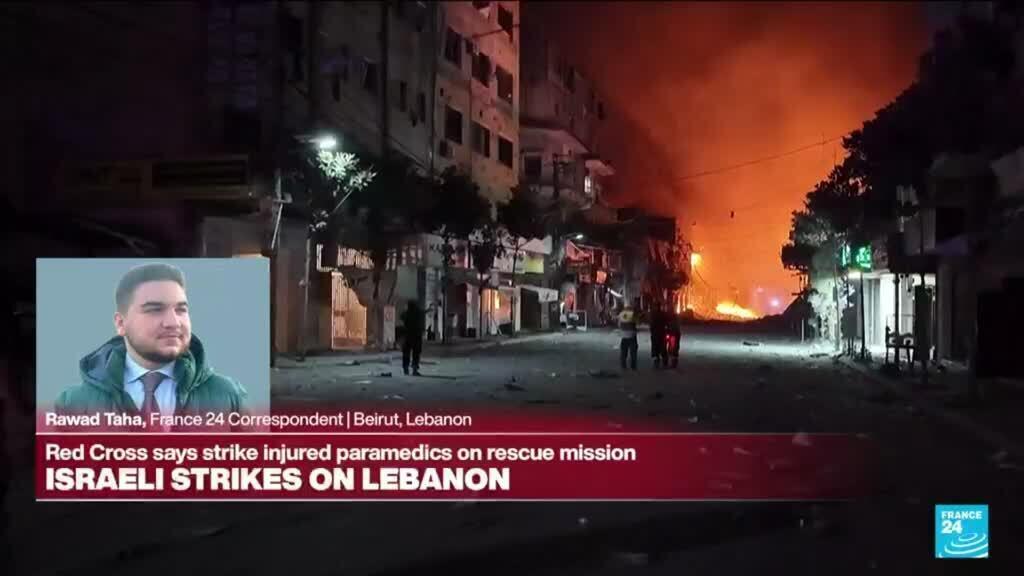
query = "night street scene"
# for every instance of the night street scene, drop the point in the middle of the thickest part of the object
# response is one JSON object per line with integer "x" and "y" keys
{"x": 790, "y": 218}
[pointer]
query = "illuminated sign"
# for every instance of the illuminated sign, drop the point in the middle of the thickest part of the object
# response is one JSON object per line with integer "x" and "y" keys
{"x": 861, "y": 258}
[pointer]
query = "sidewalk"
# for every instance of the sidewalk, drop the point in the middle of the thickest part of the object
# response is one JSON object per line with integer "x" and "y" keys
{"x": 997, "y": 421}
{"x": 431, "y": 348}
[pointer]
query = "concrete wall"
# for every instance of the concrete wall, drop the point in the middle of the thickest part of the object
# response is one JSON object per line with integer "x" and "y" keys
{"x": 351, "y": 48}
{"x": 486, "y": 108}
{"x": 229, "y": 237}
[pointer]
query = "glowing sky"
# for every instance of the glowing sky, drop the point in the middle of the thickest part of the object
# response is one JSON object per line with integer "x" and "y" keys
{"x": 692, "y": 87}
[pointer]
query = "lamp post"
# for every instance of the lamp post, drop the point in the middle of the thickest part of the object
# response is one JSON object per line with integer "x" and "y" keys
{"x": 323, "y": 142}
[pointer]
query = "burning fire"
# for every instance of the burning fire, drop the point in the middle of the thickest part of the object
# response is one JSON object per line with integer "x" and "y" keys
{"x": 732, "y": 309}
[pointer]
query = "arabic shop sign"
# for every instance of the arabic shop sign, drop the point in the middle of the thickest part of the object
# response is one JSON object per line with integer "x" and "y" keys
{"x": 859, "y": 257}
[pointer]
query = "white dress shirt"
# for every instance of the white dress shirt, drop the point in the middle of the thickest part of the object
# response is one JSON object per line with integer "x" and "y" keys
{"x": 166, "y": 397}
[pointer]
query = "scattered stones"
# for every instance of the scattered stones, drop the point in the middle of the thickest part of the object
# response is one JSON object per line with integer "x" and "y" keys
{"x": 392, "y": 397}
{"x": 384, "y": 375}
{"x": 602, "y": 373}
{"x": 364, "y": 382}
{"x": 693, "y": 419}
{"x": 514, "y": 388}
{"x": 751, "y": 343}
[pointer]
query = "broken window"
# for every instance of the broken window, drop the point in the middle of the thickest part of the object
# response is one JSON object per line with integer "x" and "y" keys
{"x": 453, "y": 125}
{"x": 505, "y": 21}
{"x": 453, "y": 47}
{"x": 481, "y": 140}
{"x": 482, "y": 68}
{"x": 506, "y": 84}
{"x": 506, "y": 152}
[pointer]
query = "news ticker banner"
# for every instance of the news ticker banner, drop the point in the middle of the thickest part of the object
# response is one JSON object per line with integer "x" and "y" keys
{"x": 451, "y": 466}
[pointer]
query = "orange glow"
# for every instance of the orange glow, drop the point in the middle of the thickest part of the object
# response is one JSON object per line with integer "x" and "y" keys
{"x": 735, "y": 310}
{"x": 757, "y": 81}
{"x": 695, "y": 259}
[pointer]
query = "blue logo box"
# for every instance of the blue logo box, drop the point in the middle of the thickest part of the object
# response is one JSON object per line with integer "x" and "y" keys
{"x": 961, "y": 531}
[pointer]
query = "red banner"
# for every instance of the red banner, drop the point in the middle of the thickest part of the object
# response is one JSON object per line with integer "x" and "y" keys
{"x": 453, "y": 465}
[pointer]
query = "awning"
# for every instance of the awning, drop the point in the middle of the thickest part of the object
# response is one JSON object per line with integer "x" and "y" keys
{"x": 544, "y": 295}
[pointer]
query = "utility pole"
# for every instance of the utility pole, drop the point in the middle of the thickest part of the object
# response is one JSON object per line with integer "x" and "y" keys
{"x": 313, "y": 66}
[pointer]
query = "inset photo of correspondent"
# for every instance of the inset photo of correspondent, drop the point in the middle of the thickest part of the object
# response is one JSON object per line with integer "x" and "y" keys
{"x": 155, "y": 374}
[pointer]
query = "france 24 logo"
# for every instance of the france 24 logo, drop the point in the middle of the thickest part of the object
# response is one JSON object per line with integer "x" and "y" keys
{"x": 961, "y": 531}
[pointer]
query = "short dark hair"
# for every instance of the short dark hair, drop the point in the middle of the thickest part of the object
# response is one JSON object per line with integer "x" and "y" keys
{"x": 140, "y": 274}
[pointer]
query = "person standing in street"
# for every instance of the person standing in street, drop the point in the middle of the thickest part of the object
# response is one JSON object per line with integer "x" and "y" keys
{"x": 628, "y": 344}
{"x": 657, "y": 323}
{"x": 412, "y": 343}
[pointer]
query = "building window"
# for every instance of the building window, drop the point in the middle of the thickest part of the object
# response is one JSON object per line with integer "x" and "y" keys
{"x": 505, "y": 84}
{"x": 505, "y": 21}
{"x": 481, "y": 140}
{"x": 453, "y": 47}
{"x": 506, "y": 152}
{"x": 453, "y": 125}
{"x": 370, "y": 76}
{"x": 403, "y": 102}
{"x": 532, "y": 167}
{"x": 421, "y": 106}
{"x": 482, "y": 68}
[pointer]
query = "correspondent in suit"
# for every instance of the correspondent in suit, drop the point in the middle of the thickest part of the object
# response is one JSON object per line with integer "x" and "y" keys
{"x": 155, "y": 364}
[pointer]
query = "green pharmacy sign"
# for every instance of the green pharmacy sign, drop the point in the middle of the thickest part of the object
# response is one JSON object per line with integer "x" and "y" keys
{"x": 861, "y": 258}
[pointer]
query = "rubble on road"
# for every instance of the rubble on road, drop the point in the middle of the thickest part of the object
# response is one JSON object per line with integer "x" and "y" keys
{"x": 514, "y": 388}
{"x": 602, "y": 373}
{"x": 750, "y": 343}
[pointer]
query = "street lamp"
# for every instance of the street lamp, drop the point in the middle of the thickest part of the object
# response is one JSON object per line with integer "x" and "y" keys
{"x": 695, "y": 259}
{"x": 326, "y": 142}
{"x": 578, "y": 237}
{"x": 321, "y": 141}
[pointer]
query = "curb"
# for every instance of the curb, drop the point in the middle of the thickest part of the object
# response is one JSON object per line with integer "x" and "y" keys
{"x": 985, "y": 434}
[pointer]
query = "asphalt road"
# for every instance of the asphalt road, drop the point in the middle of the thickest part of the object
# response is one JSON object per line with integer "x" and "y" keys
{"x": 725, "y": 382}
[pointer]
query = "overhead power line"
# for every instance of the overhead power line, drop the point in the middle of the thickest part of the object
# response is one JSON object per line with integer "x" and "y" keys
{"x": 761, "y": 160}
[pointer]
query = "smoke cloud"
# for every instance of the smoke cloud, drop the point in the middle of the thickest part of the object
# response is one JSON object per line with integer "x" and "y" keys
{"x": 693, "y": 87}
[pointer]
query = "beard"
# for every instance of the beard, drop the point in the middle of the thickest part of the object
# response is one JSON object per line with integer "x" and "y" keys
{"x": 155, "y": 355}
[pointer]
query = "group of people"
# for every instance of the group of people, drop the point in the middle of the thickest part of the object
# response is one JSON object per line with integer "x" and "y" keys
{"x": 665, "y": 333}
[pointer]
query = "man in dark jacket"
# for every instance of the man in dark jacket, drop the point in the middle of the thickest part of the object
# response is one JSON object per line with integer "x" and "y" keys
{"x": 155, "y": 367}
{"x": 412, "y": 343}
{"x": 657, "y": 326}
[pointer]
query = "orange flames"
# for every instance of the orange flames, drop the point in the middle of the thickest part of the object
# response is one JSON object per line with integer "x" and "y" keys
{"x": 735, "y": 310}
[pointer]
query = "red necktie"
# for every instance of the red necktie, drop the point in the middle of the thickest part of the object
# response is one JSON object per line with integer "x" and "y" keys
{"x": 150, "y": 382}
